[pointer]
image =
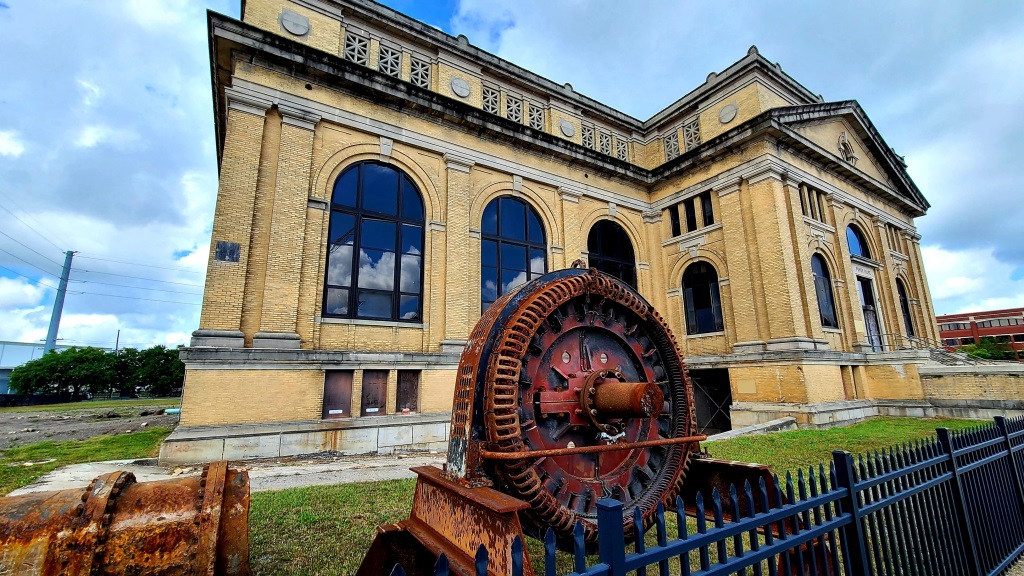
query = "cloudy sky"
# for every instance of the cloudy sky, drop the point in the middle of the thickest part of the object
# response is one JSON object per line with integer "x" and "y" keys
{"x": 106, "y": 129}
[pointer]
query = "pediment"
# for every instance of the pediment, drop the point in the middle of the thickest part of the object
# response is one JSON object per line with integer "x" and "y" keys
{"x": 842, "y": 135}
{"x": 836, "y": 136}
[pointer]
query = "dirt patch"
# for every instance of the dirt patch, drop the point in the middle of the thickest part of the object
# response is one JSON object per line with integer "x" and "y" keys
{"x": 20, "y": 428}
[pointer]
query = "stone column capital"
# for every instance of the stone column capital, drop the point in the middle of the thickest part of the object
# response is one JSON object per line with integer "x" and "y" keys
{"x": 244, "y": 102}
{"x": 298, "y": 117}
{"x": 458, "y": 163}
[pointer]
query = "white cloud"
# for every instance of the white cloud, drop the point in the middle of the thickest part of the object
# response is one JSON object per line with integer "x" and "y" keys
{"x": 970, "y": 280}
{"x": 91, "y": 93}
{"x": 16, "y": 292}
{"x": 158, "y": 13}
{"x": 10, "y": 144}
{"x": 93, "y": 135}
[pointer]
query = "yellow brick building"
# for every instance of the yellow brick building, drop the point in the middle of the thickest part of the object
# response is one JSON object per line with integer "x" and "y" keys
{"x": 382, "y": 181}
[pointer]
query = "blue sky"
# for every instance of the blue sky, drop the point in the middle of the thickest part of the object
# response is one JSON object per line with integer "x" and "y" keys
{"x": 106, "y": 130}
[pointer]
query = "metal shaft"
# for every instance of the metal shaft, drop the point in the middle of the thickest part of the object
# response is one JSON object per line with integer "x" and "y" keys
{"x": 628, "y": 399}
{"x": 58, "y": 303}
{"x": 554, "y": 452}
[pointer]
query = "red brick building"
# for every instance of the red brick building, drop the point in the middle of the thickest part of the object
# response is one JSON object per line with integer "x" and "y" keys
{"x": 970, "y": 327}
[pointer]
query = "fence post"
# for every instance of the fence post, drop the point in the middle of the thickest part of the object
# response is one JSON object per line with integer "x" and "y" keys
{"x": 1001, "y": 425}
{"x": 854, "y": 546}
{"x": 960, "y": 503}
{"x": 611, "y": 540}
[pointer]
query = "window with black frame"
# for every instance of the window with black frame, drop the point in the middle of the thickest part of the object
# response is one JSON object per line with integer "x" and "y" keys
{"x": 702, "y": 299}
{"x": 905, "y": 307}
{"x": 823, "y": 291}
{"x": 611, "y": 252}
{"x": 375, "y": 246}
{"x": 513, "y": 248}
{"x": 856, "y": 241}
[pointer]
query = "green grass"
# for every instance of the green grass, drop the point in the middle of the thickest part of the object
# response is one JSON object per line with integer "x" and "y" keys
{"x": 322, "y": 529}
{"x": 789, "y": 451}
{"x": 327, "y": 529}
{"x": 14, "y": 474}
{"x": 97, "y": 405}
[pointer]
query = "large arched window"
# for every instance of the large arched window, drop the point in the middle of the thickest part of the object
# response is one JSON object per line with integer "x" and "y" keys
{"x": 512, "y": 248}
{"x": 702, "y": 299}
{"x": 375, "y": 246}
{"x": 611, "y": 251}
{"x": 858, "y": 245}
{"x": 905, "y": 307}
{"x": 823, "y": 290}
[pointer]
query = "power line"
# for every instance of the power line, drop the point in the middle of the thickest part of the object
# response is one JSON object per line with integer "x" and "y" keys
{"x": 135, "y": 298}
{"x": 141, "y": 278}
{"x": 137, "y": 287}
{"x": 33, "y": 280}
{"x": 28, "y": 215}
{"x": 40, "y": 234}
{"x": 141, "y": 264}
{"x": 27, "y": 262}
{"x": 29, "y": 248}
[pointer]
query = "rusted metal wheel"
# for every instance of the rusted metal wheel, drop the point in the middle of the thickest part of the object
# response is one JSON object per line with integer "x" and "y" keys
{"x": 578, "y": 359}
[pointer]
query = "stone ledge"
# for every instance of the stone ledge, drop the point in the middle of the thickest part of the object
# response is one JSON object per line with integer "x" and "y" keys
{"x": 744, "y": 357}
{"x": 197, "y": 357}
{"x": 779, "y": 425}
{"x": 372, "y": 435}
{"x": 844, "y": 413}
{"x": 1013, "y": 369}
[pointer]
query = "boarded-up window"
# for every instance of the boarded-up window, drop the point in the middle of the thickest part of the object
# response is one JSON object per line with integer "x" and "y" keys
{"x": 407, "y": 397}
{"x": 375, "y": 392}
{"x": 337, "y": 394}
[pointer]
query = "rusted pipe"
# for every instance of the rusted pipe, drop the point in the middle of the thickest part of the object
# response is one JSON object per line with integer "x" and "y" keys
{"x": 185, "y": 526}
{"x": 628, "y": 400}
{"x": 531, "y": 454}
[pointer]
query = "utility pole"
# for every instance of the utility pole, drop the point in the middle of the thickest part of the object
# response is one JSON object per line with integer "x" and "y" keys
{"x": 58, "y": 303}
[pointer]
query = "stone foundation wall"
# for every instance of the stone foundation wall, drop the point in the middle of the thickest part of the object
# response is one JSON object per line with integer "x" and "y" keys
{"x": 974, "y": 382}
{"x": 377, "y": 435}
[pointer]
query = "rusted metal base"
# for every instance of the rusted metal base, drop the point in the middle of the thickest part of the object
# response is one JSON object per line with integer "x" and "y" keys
{"x": 453, "y": 520}
{"x": 709, "y": 474}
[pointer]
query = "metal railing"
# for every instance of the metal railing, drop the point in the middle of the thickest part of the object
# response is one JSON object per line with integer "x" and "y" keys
{"x": 949, "y": 505}
{"x": 937, "y": 351}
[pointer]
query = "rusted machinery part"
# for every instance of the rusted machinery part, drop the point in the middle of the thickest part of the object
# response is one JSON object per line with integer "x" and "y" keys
{"x": 535, "y": 454}
{"x": 184, "y": 526}
{"x": 529, "y": 381}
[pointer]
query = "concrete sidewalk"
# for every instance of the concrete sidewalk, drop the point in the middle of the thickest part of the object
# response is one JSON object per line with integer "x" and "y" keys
{"x": 263, "y": 475}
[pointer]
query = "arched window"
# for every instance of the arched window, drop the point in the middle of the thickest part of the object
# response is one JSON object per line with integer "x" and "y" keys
{"x": 375, "y": 246}
{"x": 512, "y": 248}
{"x": 611, "y": 251}
{"x": 858, "y": 245}
{"x": 702, "y": 299}
{"x": 905, "y": 307}
{"x": 823, "y": 290}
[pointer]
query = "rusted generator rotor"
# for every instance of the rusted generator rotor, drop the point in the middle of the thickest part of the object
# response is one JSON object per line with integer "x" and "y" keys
{"x": 572, "y": 389}
{"x": 184, "y": 526}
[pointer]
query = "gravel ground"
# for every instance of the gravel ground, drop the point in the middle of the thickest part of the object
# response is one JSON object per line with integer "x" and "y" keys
{"x": 270, "y": 474}
{"x": 19, "y": 428}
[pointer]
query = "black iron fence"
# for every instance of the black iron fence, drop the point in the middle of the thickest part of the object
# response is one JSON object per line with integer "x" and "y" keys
{"x": 949, "y": 505}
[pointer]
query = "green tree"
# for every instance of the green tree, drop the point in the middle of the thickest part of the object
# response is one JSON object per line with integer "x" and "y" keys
{"x": 39, "y": 376}
{"x": 988, "y": 349}
{"x": 74, "y": 371}
{"x": 160, "y": 371}
{"x": 126, "y": 367}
